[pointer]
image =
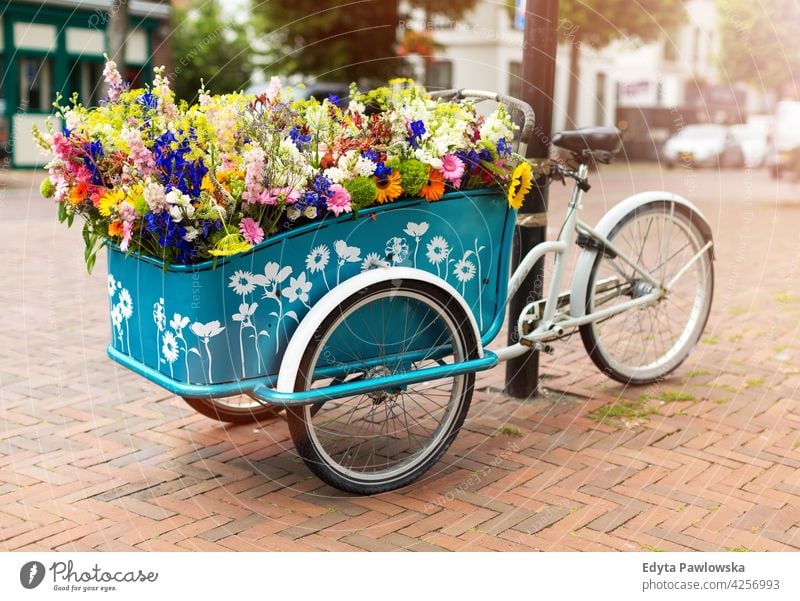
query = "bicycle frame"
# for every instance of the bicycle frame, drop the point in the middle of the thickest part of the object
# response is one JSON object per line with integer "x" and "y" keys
{"x": 551, "y": 323}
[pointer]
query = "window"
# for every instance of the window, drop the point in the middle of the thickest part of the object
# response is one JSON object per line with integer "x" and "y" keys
{"x": 600, "y": 106}
{"x": 86, "y": 78}
{"x": 35, "y": 84}
{"x": 439, "y": 75}
{"x": 515, "y": 79}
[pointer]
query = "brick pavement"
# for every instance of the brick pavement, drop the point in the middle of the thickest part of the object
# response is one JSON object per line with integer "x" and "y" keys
{"x": 94, "y": 457}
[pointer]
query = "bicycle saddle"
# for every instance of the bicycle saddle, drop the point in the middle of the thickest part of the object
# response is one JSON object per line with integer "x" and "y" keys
{"x": 591, "y": 139}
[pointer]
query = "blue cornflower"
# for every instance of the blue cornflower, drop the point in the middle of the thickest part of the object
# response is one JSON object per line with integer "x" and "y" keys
{"x": 334, "y": 99}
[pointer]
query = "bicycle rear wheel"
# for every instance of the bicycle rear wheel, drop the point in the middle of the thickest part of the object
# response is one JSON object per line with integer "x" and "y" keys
{"x": 386, "y": 439}
{"x": 642, "y": 345}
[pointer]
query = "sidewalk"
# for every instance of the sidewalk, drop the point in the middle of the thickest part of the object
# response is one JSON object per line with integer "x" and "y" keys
{"x": 95, "y": 457}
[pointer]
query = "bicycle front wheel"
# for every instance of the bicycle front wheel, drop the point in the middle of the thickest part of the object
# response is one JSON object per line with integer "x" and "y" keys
{"x": 642, "y": 345}
{"x": 386, "y": 439}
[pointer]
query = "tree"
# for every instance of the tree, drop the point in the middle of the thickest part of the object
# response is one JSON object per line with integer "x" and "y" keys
{"x": 209, "y": 47}
{"x": 117, "y": 32}
{"x": 759, "y": 41}
{"x": 598, "y": 22}
{"x": 342, "y": 40}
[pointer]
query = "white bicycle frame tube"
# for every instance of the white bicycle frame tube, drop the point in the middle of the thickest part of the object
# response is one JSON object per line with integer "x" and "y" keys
{"x": 547, "y": 328}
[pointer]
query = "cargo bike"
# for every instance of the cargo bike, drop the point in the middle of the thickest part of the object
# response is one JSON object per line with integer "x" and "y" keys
{"x": 369, "y": 331}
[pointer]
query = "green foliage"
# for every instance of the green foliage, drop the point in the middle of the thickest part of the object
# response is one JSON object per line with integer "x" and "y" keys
{"x": 362, "y": 191}
{"x": 759, "y": 41}
{"x": 598, "y": 22}
{"x": 414, "y": 175}
{"x": 208, "y": 47}
{"x": 340, "y": 40}
{"x": 46, "y": 188}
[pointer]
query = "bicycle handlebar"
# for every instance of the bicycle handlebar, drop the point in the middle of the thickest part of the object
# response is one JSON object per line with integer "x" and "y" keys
{"x": 528, "y": 116}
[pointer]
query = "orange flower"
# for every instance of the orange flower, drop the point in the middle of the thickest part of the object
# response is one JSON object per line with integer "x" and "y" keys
{"x": 434, "y": 189}
{"x": 115, "y": 229}
{"x": 389, "y": 189}
{"x": 78, "y": 194}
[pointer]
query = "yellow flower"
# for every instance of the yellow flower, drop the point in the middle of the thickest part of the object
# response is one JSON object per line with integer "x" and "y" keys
{"x": 110, "y": 201}
{"x": 230, "y": 244}
{"x": 388, "y": 189}
{"x": 521, "y": 181}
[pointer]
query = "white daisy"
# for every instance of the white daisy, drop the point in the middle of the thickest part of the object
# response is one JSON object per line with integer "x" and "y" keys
{"x": 464, "y": 270}
{"x": 438, "y": 250}
{"x": 125, "y": 303}
{"x": 372, "y": 261}
{"x": 318, "y": 258}
{"x": 112, "y": 285}
{"x": 169, "y": 347}
{"x": 397, "y": 249}
{"x": 242, "y": 282}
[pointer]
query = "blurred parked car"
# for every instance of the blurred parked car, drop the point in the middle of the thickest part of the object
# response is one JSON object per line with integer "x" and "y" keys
{"x": 782, "y": 156}
{"x": 703, "y": 144}
{"x": 753, "y": 140}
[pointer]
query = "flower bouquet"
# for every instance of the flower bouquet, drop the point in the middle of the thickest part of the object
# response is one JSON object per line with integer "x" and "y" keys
{"x": 184, "y": 183}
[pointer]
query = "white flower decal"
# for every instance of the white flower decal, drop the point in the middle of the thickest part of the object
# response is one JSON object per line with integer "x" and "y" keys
{"x": 116, "y": 318}
{"x": 206, "y": 331}
{"x": 417, "y": 230}
{"x": 464, "y": 270}
{"x": 178, "y": 323}
{"x": 272, "y": 277}
{"x": 317, "y": 259}
{"x": 345, "y": 254}
{"x": 169, "y": 348}
{"x": 112, "y": 285}
{"x": 397, "y": 250}
{"x": 125, "y": 303}
{"x": 159, "y": 316}
{"x": 245, "y": 312}
{"x": 372, "y": 261}
{"x": 298, "y": 289}
{"x": 242, "y": 282}
{"x": 244, "y": 317}
{"x": 438, "y": 250}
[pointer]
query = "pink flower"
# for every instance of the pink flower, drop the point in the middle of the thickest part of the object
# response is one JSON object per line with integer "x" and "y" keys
{"x": 251, "y": 231}
{"x": 274, "y": 88}
{"x": 339, "y": 202}
{"x": 452, "y": 169}
{"x": 113, "y": 81}
{"x": 273, "y": 195}
{"x": 127, "y": 230}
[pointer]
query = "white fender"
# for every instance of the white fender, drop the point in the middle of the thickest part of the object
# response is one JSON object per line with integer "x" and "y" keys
{"x": 580, "y": 278}
{"x": 322, "y": 308}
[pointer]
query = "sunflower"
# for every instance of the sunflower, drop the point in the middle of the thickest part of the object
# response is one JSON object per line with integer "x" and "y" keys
{"x": 110, "y": 201}
{"x": 434, "y": 187}
{"x": 389, "y": 188}
{"x": 521, "y": 180}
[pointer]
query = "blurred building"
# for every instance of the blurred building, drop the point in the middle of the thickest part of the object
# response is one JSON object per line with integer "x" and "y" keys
{"x": 51, "y": 46}
{"x": 647, "y": 89}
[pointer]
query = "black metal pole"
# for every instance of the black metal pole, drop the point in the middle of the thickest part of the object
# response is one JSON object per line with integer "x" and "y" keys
{"x": 538, "y": 82}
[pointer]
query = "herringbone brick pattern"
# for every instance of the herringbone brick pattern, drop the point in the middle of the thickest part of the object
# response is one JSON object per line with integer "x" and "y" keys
{"x": 94, "y": 457}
